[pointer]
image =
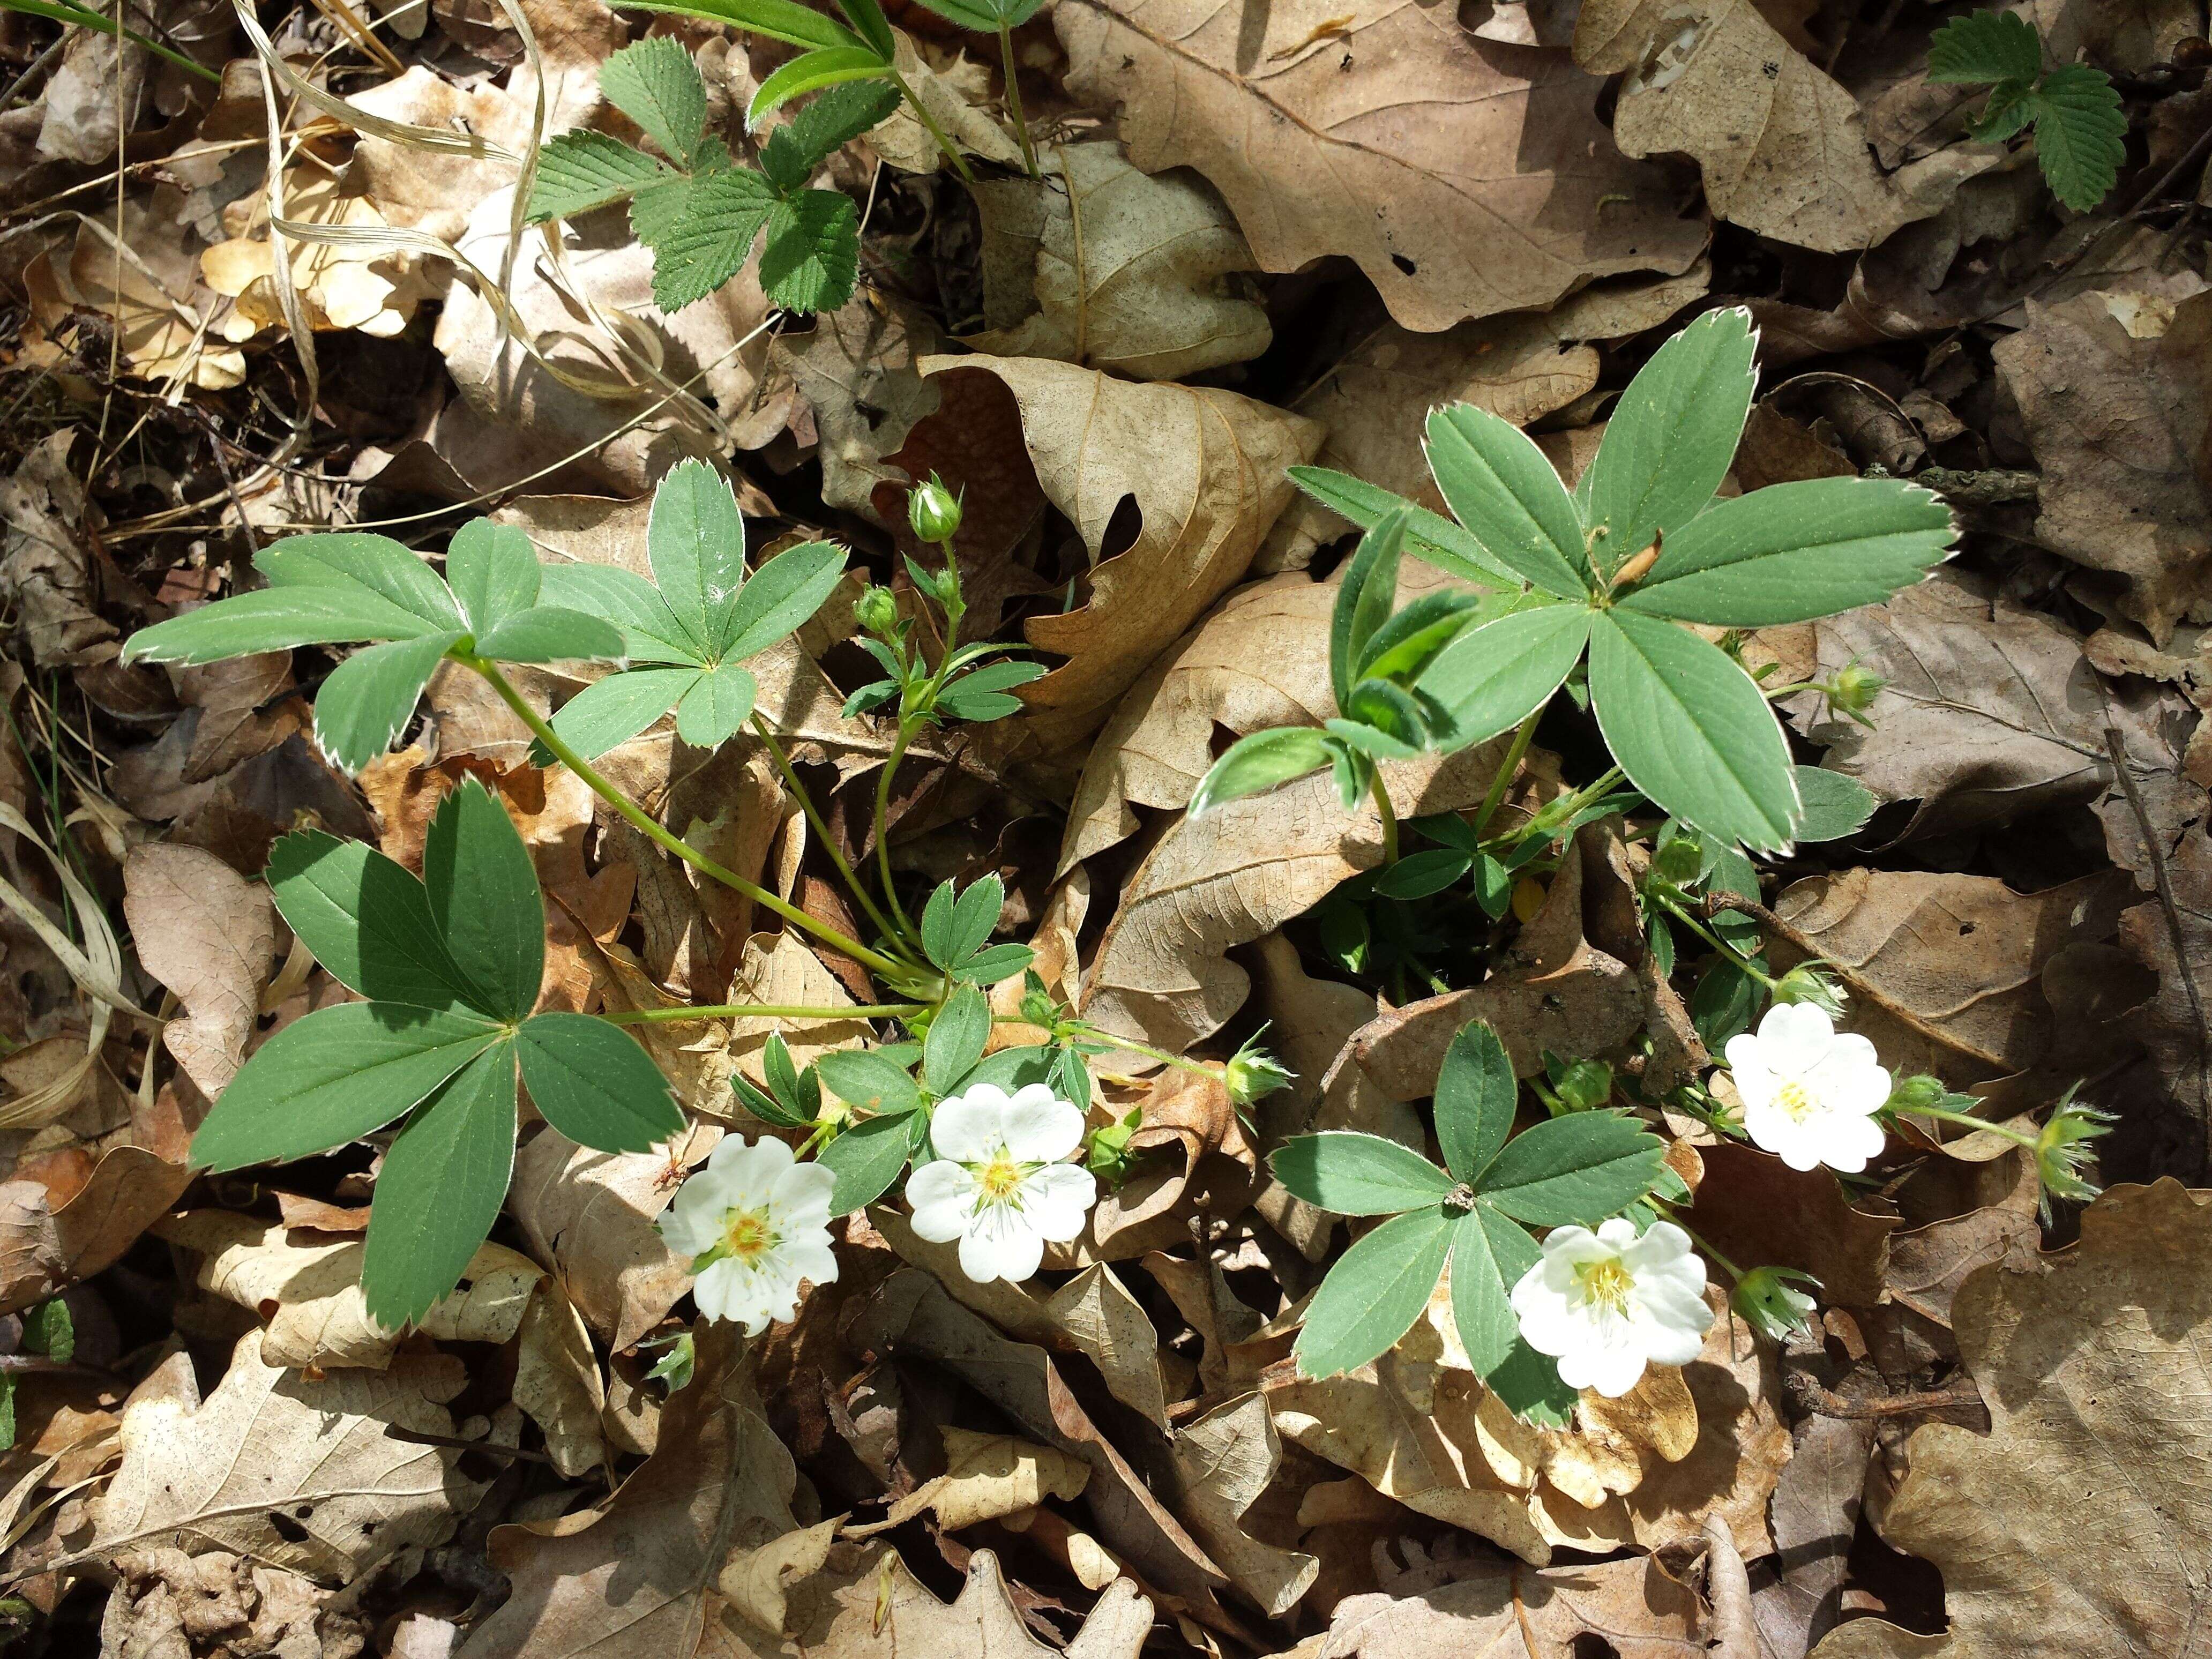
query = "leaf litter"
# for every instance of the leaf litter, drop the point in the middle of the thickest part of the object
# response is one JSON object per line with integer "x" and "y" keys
{"x": 1248, "y": 243}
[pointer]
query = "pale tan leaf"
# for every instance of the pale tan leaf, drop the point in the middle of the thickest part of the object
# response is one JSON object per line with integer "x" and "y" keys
{"x": 989, "y": 1476}
{"x": 1633, "y": 1607}
{"x": 1224, "y": 1461}
{"x": 207, "y": 933}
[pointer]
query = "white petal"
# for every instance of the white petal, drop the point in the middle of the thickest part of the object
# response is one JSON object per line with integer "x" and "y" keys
{"x": 1620, "y": 1232}
{"x": 1000, "y": 1243}
{"x": 1058, "y": 1199}
{"x": 691, "y": 1229}
{"x": 969, "y": 1127}
{"x": 802, "y": 1192}
{"x": 748, "y": 1170}
{"x": 723, "y": 1293}
{"x": 1040, "y": 1127}
{"x": 711, "y": 1190}
{"x": 942, "y": 1196}
{"x": 1614, "y": 1372}
{"x": 811, "y": 1259}
{"x": 1569, "y": 1245}
{"x": 1782, "y": 1135}
{"x": 1800, "y": 1032}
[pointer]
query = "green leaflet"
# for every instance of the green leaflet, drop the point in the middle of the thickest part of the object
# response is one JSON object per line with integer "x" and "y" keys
{"x": 1835, "y": 805}
{"x": 1692, "y": 731}
{"x": 1488, "y": 679}
{"x": 612, "y": 711}
{"x": 593, "y": 1083}
{"x": 1259, "y": 763}
{"x": 696, "y": 540}
{"x": 956, "y": 1040}
{"x": 716, "y": 705}
{"x": 1374, "y": 1293}
{"x": 444, "y": 1179}
{"x": 1476, "y": 1099}
{"x": 868, "y": 1081}
{"x": 865, "y": 1160}
{"x": 812, "y": 255}
{"x": 1672, "y": 435}
{"x": 1431, "y": 535}
{"x": 370, "y": 696}
{"x": 579, "y": 171}
{"x": 492, "y": 570}
{"x": 954, "y": 929}
{"x": 367, "y": 921}
{"x": 481, "y": 890}
{"x": 780, "y": 597}
{"x": 1353, "y": 1174}
{"x": 655, "y": 84}
{"x": 1499, "y": 485}
{"x": 1578, "y": 1169}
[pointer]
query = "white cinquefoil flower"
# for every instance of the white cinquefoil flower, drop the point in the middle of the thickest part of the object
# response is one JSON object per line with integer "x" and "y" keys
{"x": 1604, "y": 1305}
{"x": 1810, "y": 1092}
{"x": 998, "y": 1185}
{"x": 755, "y": 1223}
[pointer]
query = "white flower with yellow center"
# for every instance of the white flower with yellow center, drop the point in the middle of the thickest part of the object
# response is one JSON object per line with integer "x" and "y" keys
{"x": 998, "y": 1185}
{"x": 754, "y": 1224}
{"x": 1604, "y": 1305}
{"x": 1811, "y": 1093}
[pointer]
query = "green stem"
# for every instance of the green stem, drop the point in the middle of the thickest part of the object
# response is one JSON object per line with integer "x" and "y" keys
{"x": 906, "y": 928}
{"x": 652, "y": 829}
{"x": 1971, "y": 1121}
{"x": 1503, "y": 781}
{"x": 1375, "y": 788}
{"x": 1744, "y": 964}
{"x": 1563, "y": 809}
{"x": 85, "y": 17}
{"x": 763, "y": 1011}
{"x": 853, "y": 882}
{"x": 1014, "y": 97}
{"x": 960, "y": 162}
{"x": 1179, "y": 1061}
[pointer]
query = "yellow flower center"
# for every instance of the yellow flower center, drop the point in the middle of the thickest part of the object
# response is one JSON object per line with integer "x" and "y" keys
{"x": 1605, "y": 1282}
{"x": 746, "y": 1235}
{"x": 1795, "y": 1102}
{"x": 1000, "y": 1179}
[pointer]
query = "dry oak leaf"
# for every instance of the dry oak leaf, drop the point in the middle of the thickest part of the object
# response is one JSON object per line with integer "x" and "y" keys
{"x": 298, "y": 1474}
{"x": 1755, "y": 1207}
{"x": 1782, "y": 147}
{"x": 1465, "y": 177}
{"x": 2119, "y": 426}
{"x": 2081, "y": 1526}
{"x": 1101, "y": 265}
{"x": 371, "y": 289}
{"x": 1225, "y": 1463}
{"x": 1206, "y": 468}
{"x": 865, "y": 1603}
{"x": 988, "y": 1476}
{"x": 207, "y": 933}
{"x": 1635, "y": 1609}
{"x": 50, "y": 1239}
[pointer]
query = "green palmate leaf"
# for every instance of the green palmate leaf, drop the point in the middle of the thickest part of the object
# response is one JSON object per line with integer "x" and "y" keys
{"x": 1672, "y": 435}
{"x": 1259, "y": 763}
{"x": 444, "y": 1178}
{"x": 868, "y": 1081}
{"x": 367, "y": 920}
{"x": 482, "y": 890}
{"x": 333, "y": 1076}
{"x": 1835, "y": 805}
{"x": 1724, "y": 1003}
{"x": 865, "y": 1160}
{"x": 1419, "y": 874}
{"x": 800, "y": 1091}
{"x": 716, "y": 706}
{"x": 1365, "y": 595}
{"x": 867, "y": 16}
{"x": 955, "y": 929}
{"x": 579, "y": 171}
{"x": 997, "y": 962}
{"x": 48, "y": 1330}
{"x": 656, "y": 84}
{"x": 1409, "y": 642}
{"x": 956, "y": 1039}
{"x": 980, "y": 694}
{"x": 2010, "y": 108}
{"x": 1795, "y": 551}
{"x": 985, "y": 16}
{"x": 272, "y": 619}
{"x": 650, "y": 632}
{"x": 1476, "y": 1096}
{"x": 492, "y": 570}
{"x": 1384, "y": 710}
{"x": 707, "y": 232}
{"x": 696, "y": 539}
{"x": 1489, "y": 1255}
{"x": 1986, "y": 45}
{"x": 1579, "y": 1169}
{"x": 1429, "y": 536}
{"x": 834, "y": 118}
{"x": 371, "y": 695}
{"x": 781, "y": 596}
{"x": 594, "y": 1083}
{"x": 362, "y": 567}
{"x": 1354, "y": 1174}
{"x": 551, "y": 632}
{"x": 779, "y": 20}
{"x": 1374, "y": 1294}
{"x": 1493, "y": 886}
{"x": 812, "y": 255}
{"x": 1692, "y": 731}
{"x": 827, "y": 66}
{"x": 612, "y": 711}
{"x": 1488, "y": 679}
{"x": 2081, "y": 134}
{"x": 1499, "y": 485}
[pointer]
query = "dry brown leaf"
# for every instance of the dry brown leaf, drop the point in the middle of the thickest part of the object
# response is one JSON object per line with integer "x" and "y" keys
{"x": 950, "y": 86}
{"x": 1206, "y": 468}
{"x": 1815, "y": 1516}
{"x": 51, "y": 1238}
{"x": 2080, "y": 1524}
{"x": 207, "y": 933}
{"x": 989, "y": 1476}
{"x": 1225, "y": 1463}
{"x": 1962, "y": 978}
{"x": 1519, "y": 366}
{"x": 1336, "y": 131}
{"x": 1101, "y": 265}
{"x": 45, "y": 576}
{"x": 589, "y": 1216}
{"x": 1782, "y": 147}
{"x": 169, "y": 1602}
{"x": 871, "y": 1605}
{"x": 268, "y": 1445}
{"x": 857, "y": 371}
{"x": 1093, "y": 1315}
{"x": 2118, "y": 425}
{"x": 1757, "y": 1209}
{"x": 161, "y": 315}
{"x": 374, "y": 290}
{"x": 1633, "y": 1607}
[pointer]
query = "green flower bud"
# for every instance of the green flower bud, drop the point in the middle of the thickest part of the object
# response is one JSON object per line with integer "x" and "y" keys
{"x": 1253, "y": 1075}
{"x": 1106, "y": 1149}
{"x": 875, "y": 610}
{"x": 2062, "y": 1150}
{"x": 1583, "y": 1085}
{"x": 1765, "y": 1302}
{"x": 1807, "y": 983}
{"x": 1679, "y": 861}
{"x": 1852, "y": 692}
{"x": 1915, "y": 1094}
{"x": 933, "y": 511}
